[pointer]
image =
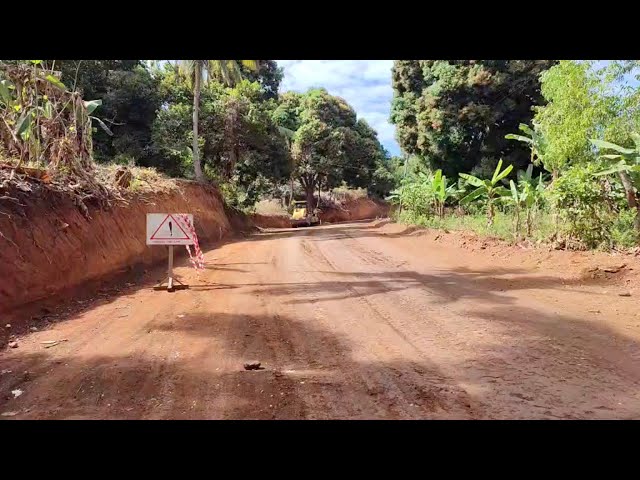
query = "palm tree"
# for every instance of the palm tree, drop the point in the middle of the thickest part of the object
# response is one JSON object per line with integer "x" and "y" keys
{"x": 198, "y": 72}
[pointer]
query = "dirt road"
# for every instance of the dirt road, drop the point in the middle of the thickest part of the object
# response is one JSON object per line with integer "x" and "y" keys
{"x": 349, "y": 321}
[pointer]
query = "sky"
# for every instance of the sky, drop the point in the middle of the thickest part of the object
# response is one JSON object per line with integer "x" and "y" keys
{"x": 364, "y": 84}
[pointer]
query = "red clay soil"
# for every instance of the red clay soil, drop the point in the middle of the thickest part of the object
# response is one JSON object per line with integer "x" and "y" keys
{"x": 270, "y": 221}
{"x": 356, "y": 209}
{"x": 49, "y": 246}
{"x": 352, "y": 210}
{"x": 359, "y": 320}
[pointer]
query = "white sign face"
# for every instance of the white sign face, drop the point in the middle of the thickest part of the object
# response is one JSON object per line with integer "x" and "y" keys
{"x": 169, "y": 229}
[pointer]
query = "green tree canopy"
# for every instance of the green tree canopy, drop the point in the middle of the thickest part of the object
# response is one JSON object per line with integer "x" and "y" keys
{"x": 456, "y": 113}
{"x": 268, "y": 75}
{"x": 330, "y": 145}
{"x": 130, "y": 98}
{"x": 239, "y": 142}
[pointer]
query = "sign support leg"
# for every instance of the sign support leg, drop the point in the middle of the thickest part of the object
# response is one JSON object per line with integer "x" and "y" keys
{"x": 170, "y": 279}
{"x": 170, "y": 270}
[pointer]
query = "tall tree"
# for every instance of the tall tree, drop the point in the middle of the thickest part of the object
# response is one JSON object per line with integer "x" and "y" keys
{"x": 572, "y": 115}
{"x": 585, "y": 102}
{"x": 239, "y": 141}
{"x": 330, "y": 144}
{"x": 200, "y": 71}
{"x": 268, "y": 75}
{"x": 456, "y": 113}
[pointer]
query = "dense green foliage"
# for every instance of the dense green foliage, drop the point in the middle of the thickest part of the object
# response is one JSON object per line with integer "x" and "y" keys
{"x": 224, "y": 120}
{"x": 329, "y": 144}
{"x": 426, "y": 193}
{"x": 455, "y": 113}
{"x": 239, "y": 143}
{"x": 268, "y": 75}
{"x": 129, "y": 95}
{"x": 584, "y": 131}
{"x": 553, "y": 146}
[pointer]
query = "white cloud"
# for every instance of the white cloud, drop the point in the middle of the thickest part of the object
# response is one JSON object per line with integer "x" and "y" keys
{"x": 364, "y": 84}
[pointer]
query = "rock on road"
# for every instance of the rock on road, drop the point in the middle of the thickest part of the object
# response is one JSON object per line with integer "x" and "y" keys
{"x": 347, "y": 322}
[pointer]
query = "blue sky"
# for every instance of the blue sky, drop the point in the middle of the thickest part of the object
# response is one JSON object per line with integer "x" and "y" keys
{"x": 364, "y": 84}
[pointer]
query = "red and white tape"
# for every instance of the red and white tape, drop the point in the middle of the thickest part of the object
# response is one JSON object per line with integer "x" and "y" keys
{"x": 197, "y": 260}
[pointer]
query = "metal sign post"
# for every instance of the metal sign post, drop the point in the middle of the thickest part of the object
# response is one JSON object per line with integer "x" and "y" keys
{"x": 169, "y": 229}
{"x": 171, "y": 277}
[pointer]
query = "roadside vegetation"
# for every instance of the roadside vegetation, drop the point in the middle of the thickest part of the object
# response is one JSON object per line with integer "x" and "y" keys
{"x": 566, "y": 169}
{"x": 532, "y": 150}
{"x": 97, "y": 129}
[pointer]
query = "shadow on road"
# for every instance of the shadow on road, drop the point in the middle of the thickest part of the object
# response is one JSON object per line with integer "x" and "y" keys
{"x": 532, "y": 364}
{"x": 545, "y": 366}
{"x": 308, "y": 372}
{"x": 444, "y": 287}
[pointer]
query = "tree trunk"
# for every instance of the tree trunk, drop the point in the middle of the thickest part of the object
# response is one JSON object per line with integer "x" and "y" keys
{"x": 529, "y": 222}
{"x": 291, "y": 196}
{"x": 309, "y": 193}
{"x": 631, "y": 197}
{"x": 196, "y": 110}
{"x": 308, "y": 183}
{"x": 516, "y": 227}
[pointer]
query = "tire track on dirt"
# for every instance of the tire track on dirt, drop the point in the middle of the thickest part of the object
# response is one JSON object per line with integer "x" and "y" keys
{"x": 536, "y": 362}
{"x": 414, "y": 384}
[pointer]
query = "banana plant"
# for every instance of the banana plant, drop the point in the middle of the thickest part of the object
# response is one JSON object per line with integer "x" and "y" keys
{"x": 441, "y": 191}
{"x": 20, "y": 113}
{"x": 491, "y": 190}
{"x": 524, "y": 197}
{"x": 424, "y": 194}
{"x": 91, "y": 105}
{"x": 31, "y": 111}
{"x": 628, "y": 158}
{"x": 535, "y": 140}
{"x": 519, "y": 200}
{"x": 627, "y": 168}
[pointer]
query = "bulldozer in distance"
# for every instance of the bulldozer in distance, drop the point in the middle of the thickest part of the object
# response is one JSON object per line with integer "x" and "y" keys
{"x": 301, "y": 217}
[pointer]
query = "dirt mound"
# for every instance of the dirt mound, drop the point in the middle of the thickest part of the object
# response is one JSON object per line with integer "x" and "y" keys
{"x": 48, "y": 246}
{"x": 270, "y": 221}
{"x": 616, "y": 268}
{"x": 355, "y": 209}
{"x": 349, "y": 210}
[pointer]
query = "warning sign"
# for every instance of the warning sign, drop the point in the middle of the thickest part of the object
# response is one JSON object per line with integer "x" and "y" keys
{"x": 169, "y": 229}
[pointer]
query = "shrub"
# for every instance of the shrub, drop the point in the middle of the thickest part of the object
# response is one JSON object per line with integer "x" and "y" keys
{"x": 580, "y": 201}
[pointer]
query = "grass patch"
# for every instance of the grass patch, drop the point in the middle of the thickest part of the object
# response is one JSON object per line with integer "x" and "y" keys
{"x": 270, "y": 207}
{"x": 502, "y": 227}
{"x": 621, "y": 233}
{"x": 346, "y": 194}
{"x": 144, "y": 180}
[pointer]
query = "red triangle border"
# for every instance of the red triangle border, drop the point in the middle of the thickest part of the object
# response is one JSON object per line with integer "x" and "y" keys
{"x": 186, "y": 235}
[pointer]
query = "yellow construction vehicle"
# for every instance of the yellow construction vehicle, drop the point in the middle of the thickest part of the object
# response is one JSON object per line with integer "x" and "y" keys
{"x": 300, "y": 217}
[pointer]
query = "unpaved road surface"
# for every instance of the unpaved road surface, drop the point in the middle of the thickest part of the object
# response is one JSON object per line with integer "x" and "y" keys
{"x": 348, "y": 322}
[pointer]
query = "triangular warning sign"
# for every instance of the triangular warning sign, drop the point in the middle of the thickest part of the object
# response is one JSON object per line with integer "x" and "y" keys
{"x": 169, "y": 229}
